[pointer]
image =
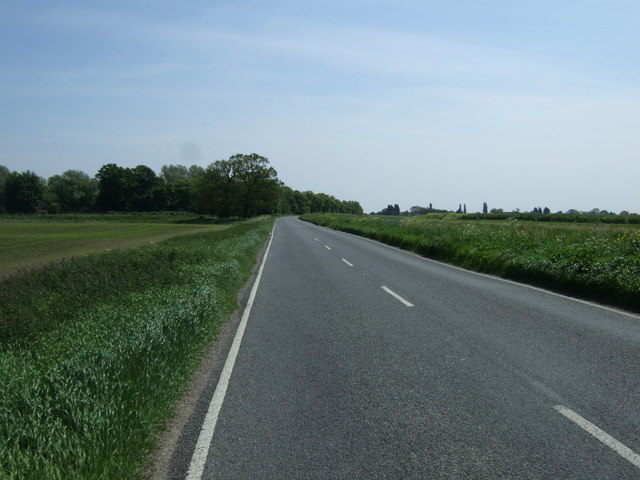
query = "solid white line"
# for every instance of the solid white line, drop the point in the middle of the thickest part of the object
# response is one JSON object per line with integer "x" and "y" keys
{"x": 199, "y": 458}
{"x": 622, "y": 450}
{"x": 327, "y": 247}
{"x": 396, "y": 296}
{"x": 347, "y": 262}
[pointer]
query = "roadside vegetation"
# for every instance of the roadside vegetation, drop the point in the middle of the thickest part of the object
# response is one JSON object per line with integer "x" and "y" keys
{"x": 592, "y": 260}
{"x": 95, "y": 350}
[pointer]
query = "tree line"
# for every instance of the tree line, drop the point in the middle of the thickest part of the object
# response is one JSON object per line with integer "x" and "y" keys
{"x": 245, "y": 185}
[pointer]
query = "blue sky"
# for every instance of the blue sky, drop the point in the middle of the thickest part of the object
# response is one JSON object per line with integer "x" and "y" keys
{"x": 519, "y": 104}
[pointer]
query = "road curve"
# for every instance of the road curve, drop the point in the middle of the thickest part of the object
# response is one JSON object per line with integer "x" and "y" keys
{"x": 362, "y": 361}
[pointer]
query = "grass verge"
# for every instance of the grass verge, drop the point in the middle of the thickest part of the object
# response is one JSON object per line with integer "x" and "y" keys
{"x": 594, "y": 261}
{"x": 84, "y": 392}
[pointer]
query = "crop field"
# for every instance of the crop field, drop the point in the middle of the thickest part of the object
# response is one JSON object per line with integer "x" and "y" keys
{"x": 592, "y": 260}
{"x": 95, "y": 351}
{"x": 25, "y": 245}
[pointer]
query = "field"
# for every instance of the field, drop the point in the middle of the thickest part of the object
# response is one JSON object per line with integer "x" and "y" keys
{"x": 96, "y": 350}
{"x": 592, "y": 260}
{"x": 33, "y": 244}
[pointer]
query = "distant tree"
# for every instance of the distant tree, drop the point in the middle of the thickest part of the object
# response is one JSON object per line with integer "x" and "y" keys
{"x": 546, "y": 211}
{"x": 129, "y": 189}
{"x": 195, "y": 171}
{"x": 113, "y": 187}
{"x": 72, "y": 191}
{"x": 145, "y": 190}
{"x": 23, "y": 192}
{"x": 485, "y": 208}
{"x": 464, "y": 208}
{"x": 459, "y": 209}
{"x": 4, "y": 173}
{"x": 497, "y": 210}
{"x": 214, "y": 191}
{"x": 244, "y": 185}
{"x": 174, "y": 173}
{"x": 258, "y": 184}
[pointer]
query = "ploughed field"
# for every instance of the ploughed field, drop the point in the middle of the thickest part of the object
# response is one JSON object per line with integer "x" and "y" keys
{"x": 25, "y": 245}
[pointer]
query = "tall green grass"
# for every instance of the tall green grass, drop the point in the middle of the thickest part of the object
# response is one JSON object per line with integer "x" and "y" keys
{"x": 600, "y": 262}
{"x": 87, "y": 384}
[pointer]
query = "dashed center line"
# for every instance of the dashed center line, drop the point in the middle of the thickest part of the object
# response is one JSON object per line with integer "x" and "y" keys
{"x": 347, "y": 262}
{"x": 327, "y": 247}
{"x": 316, "y": 240}
{"x": 397, "y": 297}
{"x": 622, "y": 450}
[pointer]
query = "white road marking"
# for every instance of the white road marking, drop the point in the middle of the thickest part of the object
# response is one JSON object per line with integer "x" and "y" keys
{"x": 199, "y": 458}
{"x": 316, "y": 240}
{"x": 494, "y": 277}
{"x": 622, "y": 450}
{"x": 327, "y": 247}
{"x": 396, "y": 296}
{"x": 347, "y": 262}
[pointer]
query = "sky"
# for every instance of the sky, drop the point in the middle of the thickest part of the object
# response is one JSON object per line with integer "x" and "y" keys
{"x": 519, "y": 104}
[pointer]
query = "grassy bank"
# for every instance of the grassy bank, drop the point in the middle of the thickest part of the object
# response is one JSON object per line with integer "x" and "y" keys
{"x": 596, "y": 261}
{"x": 94, "y": 352}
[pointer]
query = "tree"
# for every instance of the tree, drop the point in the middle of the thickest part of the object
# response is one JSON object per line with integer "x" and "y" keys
{"x": 4, "y": 173}
{"x": 244, "y": 185}
{"x": 145, "y": 190}
{"x": 73, "y": 191}
{"x": 129, "y": 189}
{"x": 174, "y": 173}
{"x": 112, "y": 187}
{"x": 546, "y": 211}
{"x": 257, "y": 182}
{"x": 214, "y": 190}
{"x": 485, "y": 207}
{"x": 23, "y": 192}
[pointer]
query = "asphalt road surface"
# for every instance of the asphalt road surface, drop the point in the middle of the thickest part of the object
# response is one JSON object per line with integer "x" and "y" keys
{"x": 362, "y": 361}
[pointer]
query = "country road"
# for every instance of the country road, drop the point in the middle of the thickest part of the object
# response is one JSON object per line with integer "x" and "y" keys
{"x": 361, "y": 361}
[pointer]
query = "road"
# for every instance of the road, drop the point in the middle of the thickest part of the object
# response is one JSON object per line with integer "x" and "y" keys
{"x": 362, "y": 361}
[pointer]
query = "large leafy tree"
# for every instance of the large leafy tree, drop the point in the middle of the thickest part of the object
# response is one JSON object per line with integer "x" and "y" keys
{"x": 23, "y": 192}
{"x": 180, "y": 183}
{"x": 72, "y": 191}
{"x": 145, "y": 190}
{"x": 129, "y": 189}
{"x": 244, "y": 185}
{"x": 258, "y": 184}
{"x": 112, "y": 187}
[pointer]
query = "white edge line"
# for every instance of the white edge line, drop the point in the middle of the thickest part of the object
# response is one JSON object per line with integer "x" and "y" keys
{"x": 200, "y": 453}
{"x": 347, "y": 262}
{"x": 396, "y": 296}
{"x": 621, "y": 449}
{"x": 495, "y": 277}
{"x": 327, "y": 247}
